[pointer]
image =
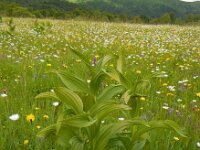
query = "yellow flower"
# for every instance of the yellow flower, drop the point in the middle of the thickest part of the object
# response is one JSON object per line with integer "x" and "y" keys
{"x": 30, "y": 118}
{"x": 138, "y": 72}
{"x": 164, "y": 84}
{"x": 181, "y": 66}
{"x": 37, "y": 108}
{"x": 176, "y": 138}
{"x": 45, "y": 117}
{"x": 78, "y": 60}
{"x": 38, "y": 126}
{"x": 182, "y": 106}
{"x": 198, "y": 94}
{"x": 142, "y": 98}
{"x": 111, "y": 65}
{"x": 170, "y": 94}
{"x": 26, "y": 142}
{"x": 97, "y": 56}
{"x": 49, "y": 65}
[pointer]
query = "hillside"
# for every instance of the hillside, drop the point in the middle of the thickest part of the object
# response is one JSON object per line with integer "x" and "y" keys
{"x": 137, "y": 11}
{"x": 150, "y": 8}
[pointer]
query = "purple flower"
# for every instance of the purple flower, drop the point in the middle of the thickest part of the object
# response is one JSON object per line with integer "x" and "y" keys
{"x": 94, "y": 61}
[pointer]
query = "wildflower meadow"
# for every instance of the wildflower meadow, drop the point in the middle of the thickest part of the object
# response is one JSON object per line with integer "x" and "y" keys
{"x": 82, "y": 85}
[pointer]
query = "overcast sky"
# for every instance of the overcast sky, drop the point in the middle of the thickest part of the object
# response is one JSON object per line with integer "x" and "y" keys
{"x": 190, "y": 0}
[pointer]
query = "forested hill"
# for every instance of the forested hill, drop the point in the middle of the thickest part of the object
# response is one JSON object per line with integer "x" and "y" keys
{"x": 136, "y": 11}
{"x": 149, "y": 8}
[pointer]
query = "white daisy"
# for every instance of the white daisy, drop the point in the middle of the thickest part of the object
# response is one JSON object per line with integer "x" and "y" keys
{"x": 55, "y": 104}
{"x": 14, "y": 117}
{"x": 121, "y": 119}
{"x": 3, "y": 95}
{"x": 198, "y": 144}
{"x": 165, "y": 107}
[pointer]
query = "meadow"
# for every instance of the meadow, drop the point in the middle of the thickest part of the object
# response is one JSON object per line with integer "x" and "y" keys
{"x": 155, "y": 70}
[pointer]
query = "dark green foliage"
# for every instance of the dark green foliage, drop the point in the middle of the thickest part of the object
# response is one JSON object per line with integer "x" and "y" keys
{"x": 138, "y": 11}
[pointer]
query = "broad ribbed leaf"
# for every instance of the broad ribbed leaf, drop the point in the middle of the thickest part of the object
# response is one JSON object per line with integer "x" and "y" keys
{"x": 126, "y": 96}
{"x": 72, "y": 82}
{"x": 115, "y": 144}
{"x": 81, "y": 56}
{"x": 123, "y": 142}
{"x": 47, "y": 132}
{"x": 78, "y": 121}
{"x": 143, "y": 87}
{"x": 159, "y": 124}
{"x": 139, "y": 145}
{"x": 102, "y": 109}
{"x": 96, "y": 82}
{"x": 64, "y": 135}
{"x": 59, "y": 122}
{"x": 119, "y": 63}
{"x": 108, "y": 131}
{"x": 102, "y": 62}
{"x": 77, "y": 143}
{"x": 173, "y": 125}
{"x": 110, "y": 91}
{"x": 117, "y": 76}
{"x": 49, "y": 95}
{"x": 70, "y": 98}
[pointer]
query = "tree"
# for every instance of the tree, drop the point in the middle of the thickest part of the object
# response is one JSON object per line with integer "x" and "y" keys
{"x": 165, "y": 19}
{"x": 1, "y": 20}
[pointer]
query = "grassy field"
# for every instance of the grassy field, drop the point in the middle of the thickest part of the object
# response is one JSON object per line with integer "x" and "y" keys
{"x": 30, "y": 49}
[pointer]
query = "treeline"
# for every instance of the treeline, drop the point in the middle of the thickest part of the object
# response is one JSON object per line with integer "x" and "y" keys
{"x": 72, "y": 11}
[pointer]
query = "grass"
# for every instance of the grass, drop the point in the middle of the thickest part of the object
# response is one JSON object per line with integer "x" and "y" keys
{"x": 28, "y": 54}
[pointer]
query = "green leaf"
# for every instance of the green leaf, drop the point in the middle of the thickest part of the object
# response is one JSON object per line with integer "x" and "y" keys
{"x": 77, "y": 143}
{"x": 173, "y": 125}
{"x": 117, "y": 76}
{"x": 108, "y": 131}
{"x": 70, "y": 98}
{"x": 120, "y": 63}
{"x": 142, "y": 87}
{"x": 72, "y": 82}
{"x": 122, "y": 142}
{"x": 83, "y": 58}
{"x": 49, "y": 95}
{"x": 59, "y": 122}
{"x": 96, "y": 82}
{"x": 139, "y": 145}
{"x": 64, "y": 135}
{"x": 110, "y": 91}
{"x": 103, "y": 109}
{"x": 127, "y": 95}
{"x": 47, "y": 132}
{"x": 167, "y": 124}
{"x": 115, "y": 143}
{"x": 102, "y": 62}
{"x": 79, "y": 121}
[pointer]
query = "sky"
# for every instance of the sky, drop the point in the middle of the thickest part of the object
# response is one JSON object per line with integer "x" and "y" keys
{"x": 190, "y": 0}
